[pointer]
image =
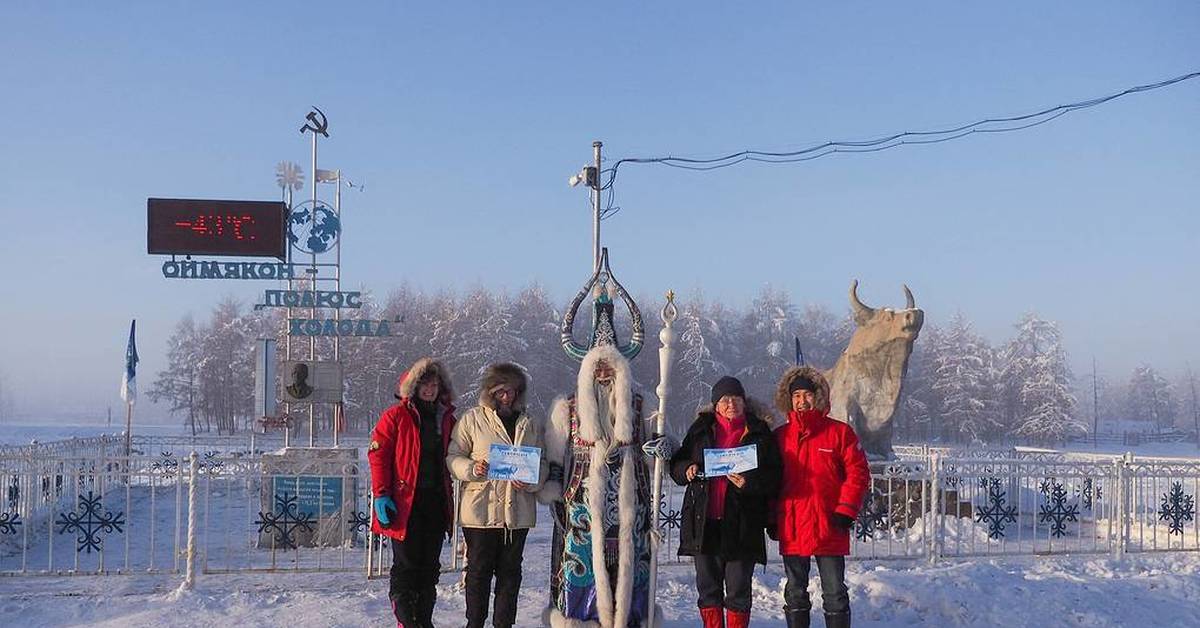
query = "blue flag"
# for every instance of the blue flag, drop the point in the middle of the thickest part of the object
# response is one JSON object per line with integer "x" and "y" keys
{"x": 129, "y": 380}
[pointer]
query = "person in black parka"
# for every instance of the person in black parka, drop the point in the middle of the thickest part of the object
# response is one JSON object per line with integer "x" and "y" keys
{"x": 724, "y": 518}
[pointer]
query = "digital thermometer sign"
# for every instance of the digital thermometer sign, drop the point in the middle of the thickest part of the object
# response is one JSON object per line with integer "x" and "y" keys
{"x": 177, "y": 226}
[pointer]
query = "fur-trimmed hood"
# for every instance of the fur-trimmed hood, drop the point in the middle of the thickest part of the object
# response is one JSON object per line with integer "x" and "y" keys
{"x": 507, "y": 373}
{"x": 406, "y": 387}
{"x": 783, "y": 399}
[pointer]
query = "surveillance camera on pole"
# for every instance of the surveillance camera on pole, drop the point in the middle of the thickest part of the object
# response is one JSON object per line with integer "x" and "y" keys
{"x": 586, "y": 175}
{"x": 590, "y": 175}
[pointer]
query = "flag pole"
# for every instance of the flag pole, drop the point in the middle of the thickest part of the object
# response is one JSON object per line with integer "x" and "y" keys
{"x": 128, "y": 429}
{"x": 129, "y": 387}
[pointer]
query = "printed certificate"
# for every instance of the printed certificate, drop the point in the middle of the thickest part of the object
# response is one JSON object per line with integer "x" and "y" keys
{"x": 718, "y": 462}
{"x": 509, "y": 462}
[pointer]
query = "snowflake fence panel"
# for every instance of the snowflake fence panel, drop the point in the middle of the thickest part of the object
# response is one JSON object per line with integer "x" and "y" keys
{"x": 103, "y": 514}
{"x": 107, "y": 514}
{"x": 1038, "y": 504}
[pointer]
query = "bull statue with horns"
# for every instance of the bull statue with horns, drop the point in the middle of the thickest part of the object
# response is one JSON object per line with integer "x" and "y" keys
{"x": 866, "y": 382}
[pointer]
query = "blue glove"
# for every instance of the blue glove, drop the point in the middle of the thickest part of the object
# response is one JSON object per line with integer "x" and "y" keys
{"x": 383, "y": 504}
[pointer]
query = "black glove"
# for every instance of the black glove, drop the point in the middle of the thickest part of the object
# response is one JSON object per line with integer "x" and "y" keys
{"x": 842, "y": 521}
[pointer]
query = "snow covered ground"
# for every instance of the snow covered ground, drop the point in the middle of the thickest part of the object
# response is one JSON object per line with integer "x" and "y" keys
{"x": 1063, "y": 591}
{"x": 1011, "y": 591}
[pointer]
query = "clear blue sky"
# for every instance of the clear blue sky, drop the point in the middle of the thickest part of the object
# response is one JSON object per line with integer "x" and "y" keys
{"x": 464, "y": 121}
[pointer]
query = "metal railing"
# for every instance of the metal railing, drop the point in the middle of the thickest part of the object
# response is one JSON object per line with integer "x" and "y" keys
{"x": 1031, "y": 503}
{"x": 237, "y": 512}
{"x": 89, "y": 515}
{"x": 81, "y": 447}
{"x": 310, "y": 510}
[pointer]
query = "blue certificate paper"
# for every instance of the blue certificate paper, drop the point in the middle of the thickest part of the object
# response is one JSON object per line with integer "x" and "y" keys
{"x": 509, "y": 462}
{"x": 718, "y": 462}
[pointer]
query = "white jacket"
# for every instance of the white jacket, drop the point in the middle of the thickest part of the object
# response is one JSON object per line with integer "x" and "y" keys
{"x": 488, "y": 503}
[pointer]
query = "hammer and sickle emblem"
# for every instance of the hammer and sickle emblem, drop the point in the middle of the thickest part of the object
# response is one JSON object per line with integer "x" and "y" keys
{"x": 317, "y": 122}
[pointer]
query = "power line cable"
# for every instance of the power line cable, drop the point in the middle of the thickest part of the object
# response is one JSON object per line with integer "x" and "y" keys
{"x": 905, "y": 138}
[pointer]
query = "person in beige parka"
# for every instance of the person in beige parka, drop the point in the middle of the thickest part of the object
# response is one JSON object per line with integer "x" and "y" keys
{"x": 495, "y": 515}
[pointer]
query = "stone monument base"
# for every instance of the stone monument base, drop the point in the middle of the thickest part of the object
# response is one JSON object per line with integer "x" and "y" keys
{"x": 308, "y": 497}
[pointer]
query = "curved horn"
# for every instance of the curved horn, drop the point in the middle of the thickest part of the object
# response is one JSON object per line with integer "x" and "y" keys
{"x": 859, "y": 308}
{"x": 572, "y": 348}
{"x": 638, "y": 337}
{"x": 909, "y": 302}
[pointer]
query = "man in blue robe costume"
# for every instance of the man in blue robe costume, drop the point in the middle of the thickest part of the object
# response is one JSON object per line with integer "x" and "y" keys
{"x": 600, "y": 556}
{"x": 599, "y": 484}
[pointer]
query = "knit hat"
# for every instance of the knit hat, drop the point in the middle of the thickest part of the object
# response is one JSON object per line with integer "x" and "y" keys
{"x": 727, "y": 386}
{"x": 802, "y": 383}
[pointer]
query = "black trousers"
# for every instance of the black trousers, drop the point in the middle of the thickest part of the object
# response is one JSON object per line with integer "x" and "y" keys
{"x": 834, "y": 594}
{"x": 493, "y": 552}
{"x": 417, "y": 565}
{"x": 723, "y": 583}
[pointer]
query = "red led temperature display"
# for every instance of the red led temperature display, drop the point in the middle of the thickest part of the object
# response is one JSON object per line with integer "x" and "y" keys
{"x": 177, "y": 226}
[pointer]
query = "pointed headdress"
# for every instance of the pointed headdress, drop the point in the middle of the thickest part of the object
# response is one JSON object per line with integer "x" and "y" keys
{"x": 605, "y": 287}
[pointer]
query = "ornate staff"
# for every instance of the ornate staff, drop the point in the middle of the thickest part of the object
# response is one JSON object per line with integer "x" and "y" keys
{"x": 667, "y": 338}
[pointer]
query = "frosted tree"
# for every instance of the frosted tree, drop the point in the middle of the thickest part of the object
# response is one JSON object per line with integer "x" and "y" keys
{"x": 476, "y": 333}
{"x": 1016, "y": 364}
{"x": 919, "y": 403}
{"x": 698, "y": 368}
{"x": 766, "y": 334}
{"x": 536, "y": 321}
{"x": 1099, "y": 404}
{"x": 229, "y": 358}
{"x": 645, "y": 367}
{"x": 449, "y": 324}
{"x": 1190, "y": 414}
{"x": 964, "y": 380}
{"x": 823, "y": 335}
{"x": 1037, "y": 380}
{"x": 368, "y": 367}
{"x": 177, "y": 384}
{"x": 1151, "y": 398}
{"x": 494, "y": 338}
{"x": 410, "y": 339}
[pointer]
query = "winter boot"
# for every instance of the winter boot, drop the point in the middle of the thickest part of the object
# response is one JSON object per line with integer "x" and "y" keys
{"x": 837, "y": 620}
{"x": 402, "y": 608}
{"x": 423, "y": 611}
{"x": 712, "y": 617}
{"x": 737, "y": 619}
{"x": 796, "y": 617}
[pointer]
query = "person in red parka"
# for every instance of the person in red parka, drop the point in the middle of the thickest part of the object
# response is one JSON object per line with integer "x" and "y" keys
{"x": 411, "y": 487}
{"x": 825, "y": 478}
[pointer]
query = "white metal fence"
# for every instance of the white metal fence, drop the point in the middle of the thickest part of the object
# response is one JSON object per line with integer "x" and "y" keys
{"x": 1015, "y": 503}
{"x": 236, "y": 511}
{"x": 89, "y": 510}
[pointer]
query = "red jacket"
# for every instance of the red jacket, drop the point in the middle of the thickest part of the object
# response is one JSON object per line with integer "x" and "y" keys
{"x": 394, "y": 452}
{"x": 824, "y": 471}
